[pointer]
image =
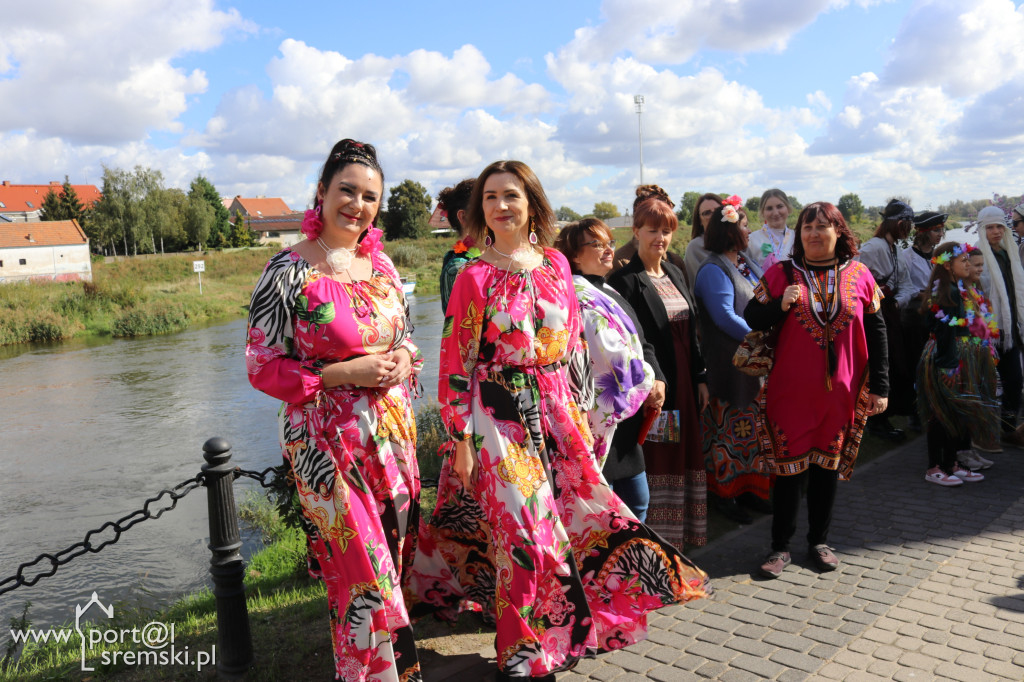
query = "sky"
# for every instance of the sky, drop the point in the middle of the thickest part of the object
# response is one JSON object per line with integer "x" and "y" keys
{"x": 917, "y": 98}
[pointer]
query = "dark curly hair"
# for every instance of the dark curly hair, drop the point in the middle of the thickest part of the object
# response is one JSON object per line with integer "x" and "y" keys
{"x": 344, "y": 153}
{"x": 454, "y": 199}
{"x": 846, "y": 244}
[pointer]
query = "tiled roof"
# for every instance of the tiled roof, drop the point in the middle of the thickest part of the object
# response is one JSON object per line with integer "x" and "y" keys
{"x": 45, "y": 233}
{"x": 292, "y": 221}
{"x": 263, "y": 207}
{"x": 28, "y": 198}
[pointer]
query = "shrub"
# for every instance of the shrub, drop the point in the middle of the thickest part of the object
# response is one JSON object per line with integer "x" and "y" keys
{"x": 160, "y": 319}
{"x": 406, "y": 255}
{"x": 430, "y": 435}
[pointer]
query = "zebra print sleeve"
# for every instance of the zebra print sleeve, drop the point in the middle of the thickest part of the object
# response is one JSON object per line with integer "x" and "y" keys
{"x": 269, "y": 356}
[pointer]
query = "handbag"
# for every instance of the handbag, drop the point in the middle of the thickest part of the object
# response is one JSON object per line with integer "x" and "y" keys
{"x": 754, "y": 357}
{"x": 756, "y": 353}
{"x": 665, "y": 427}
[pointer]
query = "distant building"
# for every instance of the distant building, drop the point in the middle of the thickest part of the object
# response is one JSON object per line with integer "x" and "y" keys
{"x": 258, "y": 207}
{"x": 44, "y": 250}
{"x": 286, "y": 230}
{"x": 23, "y": 202}
{"x": 439, "y": 222}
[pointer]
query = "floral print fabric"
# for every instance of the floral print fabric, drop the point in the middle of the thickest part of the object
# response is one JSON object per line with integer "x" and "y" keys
{"x": 351, "y": 449}
{"x": 622, "y": 379}
{"x": 574, "y": 571}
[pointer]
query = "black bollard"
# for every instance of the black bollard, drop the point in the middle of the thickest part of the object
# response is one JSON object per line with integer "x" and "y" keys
{"x": 234, "y": 640}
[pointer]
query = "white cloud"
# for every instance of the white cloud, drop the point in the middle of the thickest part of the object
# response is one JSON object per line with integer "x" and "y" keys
{"x": 101, "y": 72}
{"x": 819, "y": 99}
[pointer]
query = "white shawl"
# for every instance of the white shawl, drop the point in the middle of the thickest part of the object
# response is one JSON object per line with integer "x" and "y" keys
{"x": 995, "y": 288}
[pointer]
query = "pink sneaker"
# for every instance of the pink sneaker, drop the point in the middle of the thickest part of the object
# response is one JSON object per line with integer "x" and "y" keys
{"x": 939, "y": 477}
{"x": 966, "y": 475}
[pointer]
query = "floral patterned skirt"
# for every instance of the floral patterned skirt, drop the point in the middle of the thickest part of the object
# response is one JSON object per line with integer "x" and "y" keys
{"x": 574, "y": 571}
{"x": 353, "y": 458}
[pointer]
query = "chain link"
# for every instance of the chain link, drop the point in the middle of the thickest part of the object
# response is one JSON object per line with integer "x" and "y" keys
{"x": 86, "y": 546}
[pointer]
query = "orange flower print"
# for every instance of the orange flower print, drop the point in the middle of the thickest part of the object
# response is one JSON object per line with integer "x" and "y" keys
{"x": 521, "y": 469}
{"x": 550, "y": 345}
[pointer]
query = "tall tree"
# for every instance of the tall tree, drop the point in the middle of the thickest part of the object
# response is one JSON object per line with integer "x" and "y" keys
{"x": 52, "y": 208}
{"x": 850, "y": 206}
{"x": 164, "y": 211}
{"x": 408, "y": 212}
{"x": 605, "y": 210}
{"x": 753, "y": 205}
{"x": 567, "y": 214}
{"x": 687, "y": 205}
{"x": 118, "y": 215}
{"x": 220, "y": 230}
{"x": 199, "y": 220}
{"x": 72, "y": 204}
{"x": 241, "y": 235}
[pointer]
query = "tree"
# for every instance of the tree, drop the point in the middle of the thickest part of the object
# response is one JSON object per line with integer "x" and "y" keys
{"x": 850, "y": 206}
{"x": 164, "y": 211}
{"x": 687, "y": 205}
{"x": 753, "y": 206}
{"x": 199, "y": 219}
{"x": 241, "y": 235}
{"x": 119, "y": 214}
{"x": 220, "y": 230}
{"x": 52, "y": 208}
{"x": 604, "y": 210}
{"x": 408, "y": 211}
{"x": 567, "y": 214}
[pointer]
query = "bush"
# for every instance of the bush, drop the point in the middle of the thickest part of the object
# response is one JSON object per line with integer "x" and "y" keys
{"x": 159, "y": 319}
{"x": 406, "y": 256}
{"x": 430, "y": 435}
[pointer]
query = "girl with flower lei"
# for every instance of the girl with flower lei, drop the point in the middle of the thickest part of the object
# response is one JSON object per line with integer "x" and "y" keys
{"x": 954, "y": 379}
{"x": 329, "y": 337}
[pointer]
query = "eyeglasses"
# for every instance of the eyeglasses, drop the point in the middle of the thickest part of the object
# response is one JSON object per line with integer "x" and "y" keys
{"x": 602, "y": 246}
{"x": 707, "y": 213}
{"x": 1018, "y": 222}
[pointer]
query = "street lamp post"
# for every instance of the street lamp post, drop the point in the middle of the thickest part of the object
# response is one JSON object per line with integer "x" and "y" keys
{"x": 638, "y": 100}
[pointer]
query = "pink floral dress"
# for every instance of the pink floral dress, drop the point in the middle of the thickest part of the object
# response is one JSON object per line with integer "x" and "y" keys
{"x": 352, "y": 449}
{"x": 575, "y": 572}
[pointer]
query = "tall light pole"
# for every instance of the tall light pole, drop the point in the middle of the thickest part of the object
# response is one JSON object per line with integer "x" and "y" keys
{"x": 638, "y": 100}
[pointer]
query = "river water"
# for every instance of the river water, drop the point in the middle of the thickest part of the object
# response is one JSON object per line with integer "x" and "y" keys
{"x": 89, "y": 431}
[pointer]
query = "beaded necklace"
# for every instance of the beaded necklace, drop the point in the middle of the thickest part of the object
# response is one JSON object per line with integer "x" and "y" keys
{"x": 824, "y": 308}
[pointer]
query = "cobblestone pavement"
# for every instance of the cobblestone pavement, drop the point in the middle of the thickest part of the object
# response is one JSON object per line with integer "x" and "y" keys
{"x": 930, "y": 586}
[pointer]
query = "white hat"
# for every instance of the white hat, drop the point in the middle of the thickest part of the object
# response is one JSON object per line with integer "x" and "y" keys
{"x": 990, "y": 215}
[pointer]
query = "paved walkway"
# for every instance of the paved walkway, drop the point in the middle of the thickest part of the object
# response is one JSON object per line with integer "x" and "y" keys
{"x": 930, "y": 586}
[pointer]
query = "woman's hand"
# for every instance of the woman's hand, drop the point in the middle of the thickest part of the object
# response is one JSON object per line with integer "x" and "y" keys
{"x": 703, "y": 396}
{"x": 656, "y": 398}
{"x": 464, "y": 464}
{"x": 877, "y": 404}
{"x": 790, "y": 296}
{"x": 402, "y": 369}
{"x": 366, "y": 370}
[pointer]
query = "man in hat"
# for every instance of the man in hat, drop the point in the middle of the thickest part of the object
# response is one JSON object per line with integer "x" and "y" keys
{"x": 929, "y": 227}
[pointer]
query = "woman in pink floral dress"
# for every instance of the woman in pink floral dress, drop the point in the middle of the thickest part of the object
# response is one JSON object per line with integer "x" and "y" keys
{"x": 575, "y": 571}
{"x": 329, "y": 336}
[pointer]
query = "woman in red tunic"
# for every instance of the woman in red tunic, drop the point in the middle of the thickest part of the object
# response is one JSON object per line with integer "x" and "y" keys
{"x": 830, "y": 373}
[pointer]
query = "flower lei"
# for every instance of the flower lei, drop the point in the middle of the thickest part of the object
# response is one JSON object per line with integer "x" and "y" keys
{"x": 729, "y": 206}
{"x": 466, "y": 246}
{"x": 958, "y": 250}
{"x": 978, "y": 318}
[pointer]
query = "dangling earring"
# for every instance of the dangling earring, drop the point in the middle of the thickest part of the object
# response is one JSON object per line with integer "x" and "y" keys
{"x": 319, "y": 209}
{"x": 533, "y": 233}
{"x": 487, "y": 240}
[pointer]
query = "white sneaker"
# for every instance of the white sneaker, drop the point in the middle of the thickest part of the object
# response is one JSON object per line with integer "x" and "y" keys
{"x": 973, "y": 461}
{"x": 966, "y": 475}
{"x": 938, "y": 476}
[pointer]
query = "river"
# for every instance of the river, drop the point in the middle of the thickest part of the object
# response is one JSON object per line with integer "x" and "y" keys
{"x": 90, "y": 430}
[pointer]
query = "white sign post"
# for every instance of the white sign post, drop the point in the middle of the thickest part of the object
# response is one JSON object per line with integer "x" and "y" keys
{"x": 199, "y": 267}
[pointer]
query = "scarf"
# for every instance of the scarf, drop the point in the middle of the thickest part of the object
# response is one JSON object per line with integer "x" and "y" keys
{"x": 995, "y": 287}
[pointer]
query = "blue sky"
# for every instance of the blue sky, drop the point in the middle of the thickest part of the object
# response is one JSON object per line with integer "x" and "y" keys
{"x": 922, "y": 98}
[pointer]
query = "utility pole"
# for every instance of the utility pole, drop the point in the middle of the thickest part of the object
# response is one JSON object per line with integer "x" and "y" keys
{"x": 638, "y": 100}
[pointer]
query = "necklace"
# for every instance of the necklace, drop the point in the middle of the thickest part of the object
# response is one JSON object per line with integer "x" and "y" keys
{"x": 825, "y": 306}
{"x": 338, "y": 260}
{"x": 522, "y": 258}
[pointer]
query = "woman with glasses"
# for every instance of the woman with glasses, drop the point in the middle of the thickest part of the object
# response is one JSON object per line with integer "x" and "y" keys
{"x": 696, "y": 252}
{"x": 623, "y": 363}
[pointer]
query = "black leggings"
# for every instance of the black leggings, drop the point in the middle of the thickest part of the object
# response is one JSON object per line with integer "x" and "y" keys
{"x": 1013, "y": 382}
{"x": 943, "y": 447}
{"x": 821, "y": 496}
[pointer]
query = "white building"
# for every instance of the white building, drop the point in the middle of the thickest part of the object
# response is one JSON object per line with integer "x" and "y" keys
{"x": 49, "y": 250}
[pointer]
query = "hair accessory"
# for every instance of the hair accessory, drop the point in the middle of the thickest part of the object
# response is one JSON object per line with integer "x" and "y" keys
{"x": 533, "y": 233}
{"x": 733, "y": 201}
{"x": 312, "y": 225}
{"x": 729, "y": 213}
{"x": 958, "y": 250}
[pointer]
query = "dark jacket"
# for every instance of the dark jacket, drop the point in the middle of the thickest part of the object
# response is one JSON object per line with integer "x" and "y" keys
{"x": 637, "y": 288}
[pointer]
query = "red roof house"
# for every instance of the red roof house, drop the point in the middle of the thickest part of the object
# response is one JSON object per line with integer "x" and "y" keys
{"x": 23, "y": 202}
{"x": 44, "y": 250}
